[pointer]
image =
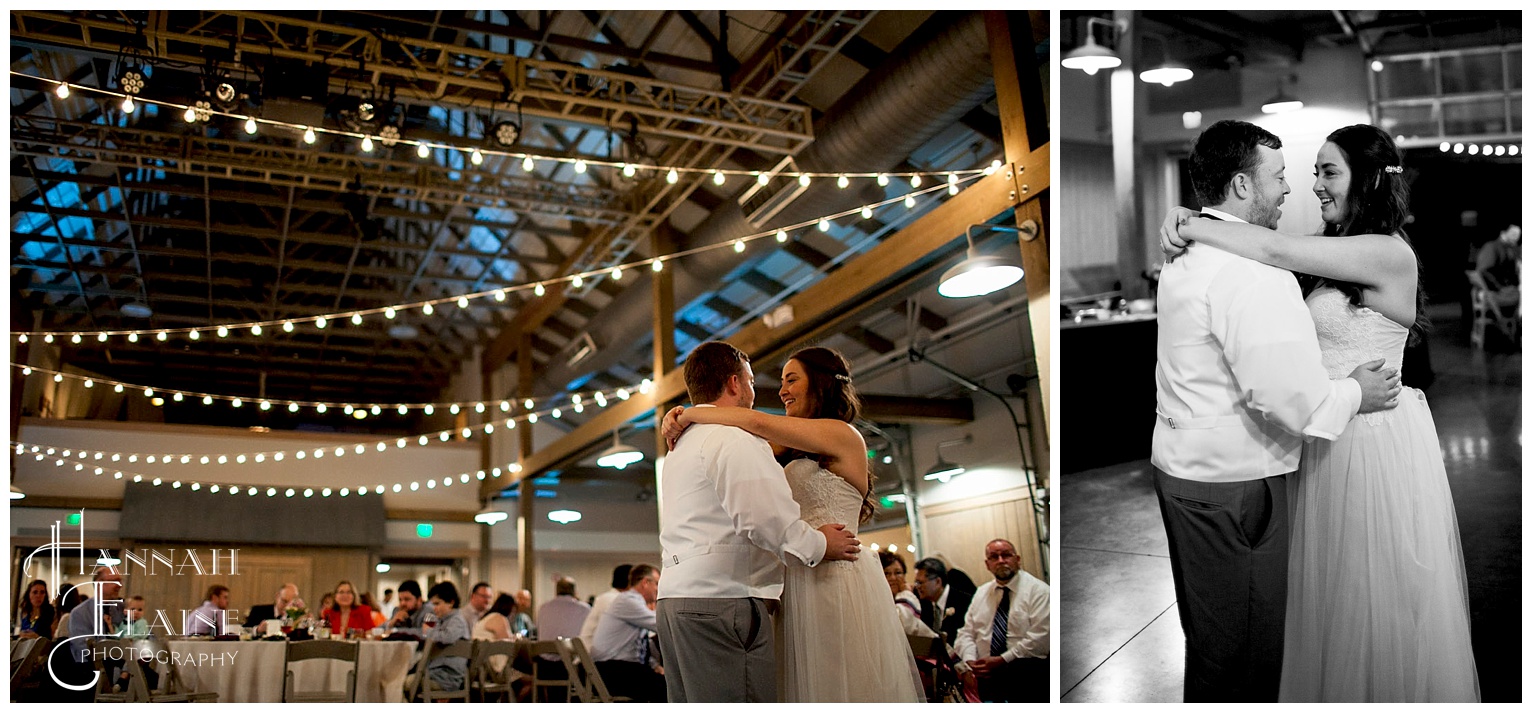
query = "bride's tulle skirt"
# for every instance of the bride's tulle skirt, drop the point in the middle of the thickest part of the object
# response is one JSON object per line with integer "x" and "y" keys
{"x": 1377, "y": 602}
{"x": 838, "y": 637}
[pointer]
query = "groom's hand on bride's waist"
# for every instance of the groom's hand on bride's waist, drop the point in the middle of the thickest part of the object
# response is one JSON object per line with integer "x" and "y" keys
{"x": 1380, "y": 386}
{"x": 840, "y": 544}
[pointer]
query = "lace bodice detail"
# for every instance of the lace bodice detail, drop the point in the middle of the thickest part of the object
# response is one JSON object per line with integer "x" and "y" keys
{"x": 823, "y": 497}
{"x": 1351, "y": 335}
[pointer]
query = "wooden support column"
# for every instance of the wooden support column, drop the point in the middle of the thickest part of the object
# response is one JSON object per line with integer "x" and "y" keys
{"x": 1132, "y": 252}
{"x": 486, "y": 462}
{"x": 526, "y": 515}
{"x": 663, "y": 243}
{"x": 1024, "y": 128}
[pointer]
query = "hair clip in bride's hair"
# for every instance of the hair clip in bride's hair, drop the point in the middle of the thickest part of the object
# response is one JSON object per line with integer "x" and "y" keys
{"x": 1393, "y": 169}
{"x": 843, "y": 377}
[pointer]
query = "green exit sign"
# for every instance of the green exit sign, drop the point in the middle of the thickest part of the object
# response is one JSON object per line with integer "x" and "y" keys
{"x": 423, "y": 529}
{"x": 74, "y": 518}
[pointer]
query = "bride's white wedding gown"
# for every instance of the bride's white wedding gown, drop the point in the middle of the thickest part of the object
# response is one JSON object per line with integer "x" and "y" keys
{"x": 838, "y": 636}
{"x": 1377, "y": 602}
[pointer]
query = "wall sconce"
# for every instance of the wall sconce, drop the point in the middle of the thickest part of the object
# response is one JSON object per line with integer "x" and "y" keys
{"x": 944, "y": 471}
{"x": 1091, "y": 57}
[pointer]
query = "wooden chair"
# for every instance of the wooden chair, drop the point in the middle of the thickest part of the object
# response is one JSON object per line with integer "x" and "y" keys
{"x": 344, "y": 651}
{"x": 27, "y": 656}
{"x": 1486, "y": 311}
{"x": 425, "y": 689}
{"x": 172, "y": 683}
{"x": 544, "y": 673}
{"x": 484, "y": 681}
{"x": 583, "y": 674}
{"x": 123, "y": 653}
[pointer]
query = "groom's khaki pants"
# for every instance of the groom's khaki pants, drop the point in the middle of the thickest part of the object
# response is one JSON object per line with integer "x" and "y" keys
{"x": 717, "y": 650}
{"x": 1228, "y": 554}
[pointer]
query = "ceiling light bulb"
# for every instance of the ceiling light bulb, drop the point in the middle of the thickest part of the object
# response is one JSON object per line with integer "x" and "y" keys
{"x": 527, "y": 164}
{"x": 657, "y": 265}
{"x": 803, "y": 179}
{"x": 739, "y": 246}
{"x": 250, "y": 125}
{"x": 577, "y": 281}
{"x": 308, "y": 135}
{"x": 616, "y": 273}
{"x": 356, "y": 319}
{"x": 824, "y": 225}
{"x": 915, "y": 181}
{"x": 628, "y": 170}
{"x": 367, "y": 144}
{"x": 476, "y": 157}
{"x": 909, "y": 201}
{"x": 321, "y": 322}
{"x": 427, "y": 308}
{"x": 866, "y": 212}
{"x": 579, "y": 165}
{"x": 255, "y": 329}
{"x": 62, "y": 91}
{"x": 194, "y": 335}
{"x": 762, "y": 178}
{"x": 422, "y": 150}
{"x": 223, "y": 331}
{"x": 190, "y": 115}
{"x": 287, "y": 326}
{"x": 127, "y": 105}
{"x": 389, "y": 313}
{"x": 538, "y": 290}
{"x": 672, "y": 177}
{"x": 842, "y": 182}
{"x": 717, "y": 178}
{"x": 162, "y": 336}
{"x": 462, "y": 303}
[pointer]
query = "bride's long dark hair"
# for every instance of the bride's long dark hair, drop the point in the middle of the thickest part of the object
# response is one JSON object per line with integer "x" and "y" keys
{"x": 1377, "y": 203}
{"x": 830, "y": 394}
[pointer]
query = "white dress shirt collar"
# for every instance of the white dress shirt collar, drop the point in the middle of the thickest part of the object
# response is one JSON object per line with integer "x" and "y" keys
{"x": 1223, "y": 216}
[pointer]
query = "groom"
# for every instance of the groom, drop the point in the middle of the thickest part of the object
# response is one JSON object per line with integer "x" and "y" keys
{"x": 727, "y": 522}
{"x": 1239, "y": 387}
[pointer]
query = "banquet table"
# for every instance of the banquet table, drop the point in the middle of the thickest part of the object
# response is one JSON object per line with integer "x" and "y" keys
{"x": 252, "y": 671}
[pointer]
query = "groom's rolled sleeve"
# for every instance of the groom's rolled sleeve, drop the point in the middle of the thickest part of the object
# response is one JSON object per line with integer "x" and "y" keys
{"x": 754, "y": 492}
{"x": 1259, "y": 318}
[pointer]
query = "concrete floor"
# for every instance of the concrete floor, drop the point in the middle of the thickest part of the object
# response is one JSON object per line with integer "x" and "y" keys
{"x": 1119, "y": 634}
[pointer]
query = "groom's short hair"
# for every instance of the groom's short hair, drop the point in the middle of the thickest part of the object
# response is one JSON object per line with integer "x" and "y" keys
{"x": 708, "y": 369}
{"x": 1227, "y": 148}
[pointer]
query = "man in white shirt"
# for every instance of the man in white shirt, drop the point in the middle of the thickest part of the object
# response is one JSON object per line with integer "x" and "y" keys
{"x": 563, "y": 615}
{"x": 1007, "y": 647}
{"x": 727, "y": 523}
{"x": 1239, "y": 386}
{"x": 604, "y": 600}
{"x": 621, "y": 647}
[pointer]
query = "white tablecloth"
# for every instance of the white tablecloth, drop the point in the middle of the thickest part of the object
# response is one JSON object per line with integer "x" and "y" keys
{"x": 252, "y": 671}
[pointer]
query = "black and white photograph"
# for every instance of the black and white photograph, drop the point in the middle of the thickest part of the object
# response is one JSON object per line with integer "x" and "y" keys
{"x": 1290, "y": 356}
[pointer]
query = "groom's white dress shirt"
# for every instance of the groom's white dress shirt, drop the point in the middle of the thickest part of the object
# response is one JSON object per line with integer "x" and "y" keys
{"x": 727, "y": 518}
{"x": 1239, "y": 383}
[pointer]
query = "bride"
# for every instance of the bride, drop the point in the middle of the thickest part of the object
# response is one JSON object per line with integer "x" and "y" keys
{"x": 1377, "y": 601}
{"x": 840, "y": 639}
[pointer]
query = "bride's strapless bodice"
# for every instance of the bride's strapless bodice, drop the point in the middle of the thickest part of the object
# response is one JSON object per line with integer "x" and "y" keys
{"x": 823, "y": 497}
{"x": 1351, "y": 335}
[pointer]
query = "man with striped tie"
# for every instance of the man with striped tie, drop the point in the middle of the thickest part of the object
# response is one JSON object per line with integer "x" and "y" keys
{"x": 1004, "y": 639}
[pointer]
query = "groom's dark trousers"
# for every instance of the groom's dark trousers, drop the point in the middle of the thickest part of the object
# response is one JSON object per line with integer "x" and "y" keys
{"x": 1228, "y": 554}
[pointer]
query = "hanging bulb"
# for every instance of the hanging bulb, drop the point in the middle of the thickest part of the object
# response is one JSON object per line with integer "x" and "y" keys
{"x": 657, "y": 265}
{"x": 628, "y": 170}
{"x": 527, "y": 164}
{"x": 952, "y": 189}
{"x": 308, "y": 135}
{"x": 462, "y": 303}
{"x": 48, "y": 338}
{"x": 322, "y": 408}
{"x": 356, "y": 319}
{"x": 909, "y": 201}
{"x": 866, "y": 212}
{"x": 672, "y": 177}
{"x": 287, "y": 326}
{"x": 389, "y": 313}
{"x": 803, "y": 179}
{"x": 577, "y": 282}
{"x": 75, "y": 339}
{"x": 616, "y": 274}
{"x": 527, "y": 404}
{"x": 824, "y": 225}
{"x": 739, "y": 246}
{"x": 762, "y": 179}
{"x": 127, "y": 105}
{"x": 367, "y": 144}
{"x": 207, "y": 401}
{"x": 178, "y": 397}
{"x": 717, "y": 178}
{"x": 427, "y": 308}
{"x": 223, "y": 332}
{"x": 194, "y": 335}
{"x": 62, "y": 91}
{"x": 237, "y": 403}
{"x": 162, "y": 336}
{"x": 190, "y": 116}
{"x": 101, "y": 337}
{"x": 538, "y": 290}
{"x": 429, "y": 409}
{"x": 22, "y": 339}
{"x": 255, "y": 329}
{"x": 579, "y": 165}
{"x": 781, "y": 236}
{"x": 250, "y": 125}
{"x": 476, "y": 157}
{"x": 993, "y": 167}
{"x": 842, "y": 182}
{"x": 422, "y": 150}
{"x": 882, "y": 179}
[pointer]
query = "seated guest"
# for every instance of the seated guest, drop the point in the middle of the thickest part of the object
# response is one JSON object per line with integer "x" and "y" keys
{"x": 35, "y": 616}
{"x": 564, "y": 615}
{"x": 134, "y": 626}
{"x": 325, "y": 602}
{"x": 447, "y": 672}
{"x": 409, "y": 617}
{"x": 495, "y": 624}
{"x": 943, "y": 604}
{"x": 372, "y": 604}
{"x": 388, "y": 604}
{"x": 208, "y": 619}
{"x": 478, "y": 603}
{"x": 621, "y": 648}
{"x": 347, "y": 613}
{"x": 87, "y": 619}
{"x": 287, "y": 597}
{"x": 68, "y": 598}
{"x": 604, "y": 600}
{"x": 1013, "y": 668}
{"x": 521, "y": 620}
{"x": 906, "y": 604}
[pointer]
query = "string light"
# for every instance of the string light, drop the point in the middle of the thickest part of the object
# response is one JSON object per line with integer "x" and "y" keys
{"x": 367, "y": 144}
{"x": 717, "y": 178}
{"x": 672, "y": 177}
{"x": 422, "y": 150}
{"x": 250, "y": 125}
{"x": 62, "y": 91}
{"x": 527, "y": 164}
{"x": 781, "y": 236}
{"x": 477, "y": 157}
{"x": 308, "y": 135}
{"x": 579, "y": 165}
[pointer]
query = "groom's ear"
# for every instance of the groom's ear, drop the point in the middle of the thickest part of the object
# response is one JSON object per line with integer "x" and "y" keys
{"x": 1240, "y": 185}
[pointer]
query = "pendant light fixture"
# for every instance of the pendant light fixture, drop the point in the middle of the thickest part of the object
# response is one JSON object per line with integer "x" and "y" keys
{"x": 1091, "y": 57}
